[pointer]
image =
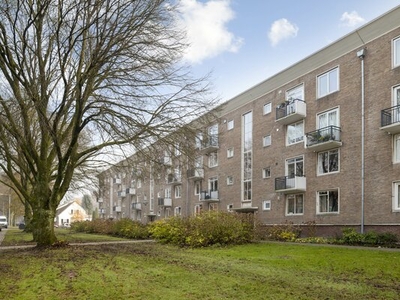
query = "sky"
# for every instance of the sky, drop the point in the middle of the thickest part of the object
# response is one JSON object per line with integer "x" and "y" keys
{"x": 244, "y": 42}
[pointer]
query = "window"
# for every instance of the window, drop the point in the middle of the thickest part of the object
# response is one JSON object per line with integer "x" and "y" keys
{"x": 197, "y": 209}
{"x": 199, "y": 140}
{"x": 294, "y": 204}
{"x": 266, "y": 172}
{"x": 177, "y": 149}
{"x": 229, "y": 207}
{"x": 267, "y": 205}
{"x": 177, "y": 211}
{"x": 396, "y": 52}
{"x": 247, "y": 146}
{"x": 396, "y": 196}
{"x": 213, "y": 184}
{"x": 230, "y": 125}
{"x": 328, "y": 202}
{"x": 396, "y": 148}
{"x": 167, "y": 193}
{"x": 266, "y": 141}
{"x": 139, "y": 183}
{"x": 197, "y": 187}
{"x": 267, "y": 108}
{"x": 328, "y": 162}
{"x": 294, "y": 167}
{"x": 328, "y": 82}
{"x": 296, "y": 93}
{"x": 229, "y": 180}
{"x": 213, "y": 159}
{"x": 213, "y": 206}
{"x": 295, "y": 133}
{"x": 213, "y": 135}
{"x": 178, "y": 191}
{"x": 396, "y": 102}
{"x": 328, "y": 118}
{"x": 229, "y": 152}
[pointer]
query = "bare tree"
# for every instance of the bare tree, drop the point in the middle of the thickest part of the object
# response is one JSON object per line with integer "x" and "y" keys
{"x": 77, "y": 79}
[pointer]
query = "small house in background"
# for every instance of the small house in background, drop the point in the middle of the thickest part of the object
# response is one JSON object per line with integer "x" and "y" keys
{"x": 70, "y": 212}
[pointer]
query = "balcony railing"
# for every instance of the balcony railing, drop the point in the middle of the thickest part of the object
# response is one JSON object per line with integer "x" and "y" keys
{"x": 137, "y": 206}
{"x": 164, "y": 202}
{"x": 122, "y": 194}
{"x": 195, "y": 173}
{"x": 291, "y": 111}
{"x": 323, "y": 138}
{"x": 209, "y": 196}
{"x": 174, "y": 179}
{"x": 290, "y": 184}
{"x": 210, "y": 144}
{"x": 117, "y": 208}
{"x": 131, "y": 191}
{"x": 390, "y": 119}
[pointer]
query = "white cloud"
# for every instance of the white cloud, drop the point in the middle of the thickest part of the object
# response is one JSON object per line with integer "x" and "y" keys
{"x": 280, "y": 30}
{"x": 206, "y": 31}
{"x": 351, "y": 19}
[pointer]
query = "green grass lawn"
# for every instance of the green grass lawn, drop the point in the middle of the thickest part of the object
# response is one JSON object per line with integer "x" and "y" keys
{"x": 153, "y": 271}
{"x": 15, "y": 237}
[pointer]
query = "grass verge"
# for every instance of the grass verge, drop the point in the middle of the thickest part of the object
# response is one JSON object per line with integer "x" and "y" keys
{"x": 153, "y": 271}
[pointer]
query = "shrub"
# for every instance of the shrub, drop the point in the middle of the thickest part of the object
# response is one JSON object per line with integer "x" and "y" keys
{"x": 130, "y": 229}
{"x": 284, "y": 232}
{"x": 351, "y": 237}
{"x": 203, "y": 230}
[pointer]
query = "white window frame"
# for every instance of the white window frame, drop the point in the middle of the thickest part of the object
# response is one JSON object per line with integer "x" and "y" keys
{"x": 297, "y": 90}
{"x": 230, "y": 152}
{"x": 319, "y": 212}
{"x": 319, "y": 157}
{"x": 267, "y": 108}
{"x": 213, "y": 206}
{"x": 213, "y": 183}
{"x": 329, "y": 89}
{"x": 197, "y": 188}
{"x": 396, "y": 196}
{"x": 266, "y": 205}
{"x": 230, "y": 125}
{"x": 396, "y": 148}
{"x": 293, "y": 197}
{"x": 267, "y": 141}
{"x": 213, "y": 159}
{"x": 178, "y": 191}
{"x": 139, "y": 183}
{"x": 229, "y": 207}
{"x": 197, "y": 209}
{"x": 396, "y": 52}
{"x": 177, "y": 211}
{"x": 229, "y": 180}
{"x": 327, "y": 113}
{"x": 297, "y": 139}
{"x": 264, "y": 172}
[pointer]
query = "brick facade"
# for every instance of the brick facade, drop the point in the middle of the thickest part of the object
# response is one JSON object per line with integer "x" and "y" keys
{"x": 339, "y": 190}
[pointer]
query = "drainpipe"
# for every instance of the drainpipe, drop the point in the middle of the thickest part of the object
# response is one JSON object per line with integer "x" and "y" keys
{"x": 361, "y": 55}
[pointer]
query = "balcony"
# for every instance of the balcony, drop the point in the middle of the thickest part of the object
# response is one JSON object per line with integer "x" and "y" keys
{"x": 117, "y": 181}
{"x": 290, "y": 184}
{"x": 323, "y": 138}
{"x": 196, "y": 173}
{"x": 137, "y": 206}
{"x": 390, "y": 119}
{"x": 117, "y": 208}
{"x": 121, "y": 194}
{"x": 246, "y": 207}
{"x": 209, "y": 196}
{"x": 291, "y": 111}
{"x": 210, "y": 145}
{"x": 165, "y": 202}
{"x": 130, "y": 191}
{"x": 174, "y": 179}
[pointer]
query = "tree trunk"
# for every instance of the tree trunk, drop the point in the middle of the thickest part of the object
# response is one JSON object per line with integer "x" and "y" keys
{"x": 43, "y": 227}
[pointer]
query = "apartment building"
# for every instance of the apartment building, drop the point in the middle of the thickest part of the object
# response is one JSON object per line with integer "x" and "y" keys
{"x": 319, "y": 141}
